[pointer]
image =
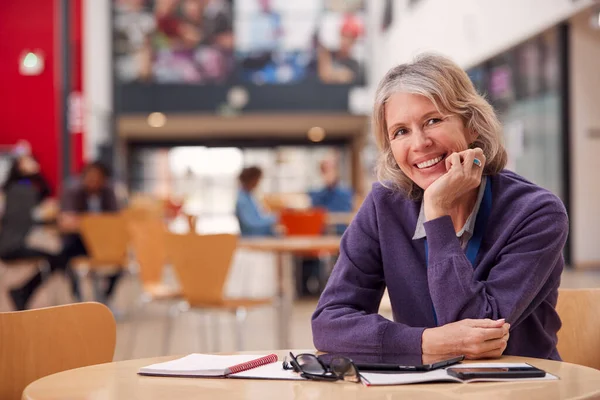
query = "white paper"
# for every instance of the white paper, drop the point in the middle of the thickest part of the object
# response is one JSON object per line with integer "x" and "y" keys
{"x": 198, "y": 365}
{"x": 374, "y": 379}
{"x": 269, "y": 371}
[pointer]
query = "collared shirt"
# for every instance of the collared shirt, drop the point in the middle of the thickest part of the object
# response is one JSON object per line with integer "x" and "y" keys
{"x": 466, "y": 233}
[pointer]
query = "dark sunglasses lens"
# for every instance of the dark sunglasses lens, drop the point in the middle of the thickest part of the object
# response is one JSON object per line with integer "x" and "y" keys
{"x": 310, "y": 364}
{"x": 343, "y": 368}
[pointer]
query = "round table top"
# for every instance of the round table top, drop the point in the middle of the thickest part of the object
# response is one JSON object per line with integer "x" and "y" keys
{"x": 291, "y": 243}
{"x": 119, "y": 380}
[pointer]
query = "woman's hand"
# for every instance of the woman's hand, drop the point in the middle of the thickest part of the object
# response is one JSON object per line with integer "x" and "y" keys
{"x": 461, "y": 177}
{"x": 475, "y": 338}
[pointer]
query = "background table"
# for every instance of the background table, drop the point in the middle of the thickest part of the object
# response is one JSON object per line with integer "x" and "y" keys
{"x": 120, "y": 381}
{"x": 284, "y": 247}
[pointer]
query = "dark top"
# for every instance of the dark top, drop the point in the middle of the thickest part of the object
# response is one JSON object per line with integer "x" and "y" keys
{"x": 516, "y": 273}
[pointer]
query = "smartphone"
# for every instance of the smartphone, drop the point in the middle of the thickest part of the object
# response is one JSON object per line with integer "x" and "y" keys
{"x": 467, "y": 373}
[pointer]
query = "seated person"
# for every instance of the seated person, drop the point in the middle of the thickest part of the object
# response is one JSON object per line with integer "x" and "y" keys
{"x": 91, "y": 194}
{"x": 332, "y": 197}
{"x": 467, "y": 250}
{"x": 24, "y": 189}
{"x": 252, "y": 219}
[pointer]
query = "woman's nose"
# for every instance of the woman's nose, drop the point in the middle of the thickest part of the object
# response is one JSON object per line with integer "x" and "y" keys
{"x": 421, "y": 140}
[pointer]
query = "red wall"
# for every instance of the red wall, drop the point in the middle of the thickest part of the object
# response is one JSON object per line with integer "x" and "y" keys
{"x": 28, "y": 104}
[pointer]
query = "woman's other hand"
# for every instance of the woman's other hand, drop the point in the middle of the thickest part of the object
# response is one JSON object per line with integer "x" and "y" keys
{"x": 462, "y": 176}
{"x": 475, "y": 338}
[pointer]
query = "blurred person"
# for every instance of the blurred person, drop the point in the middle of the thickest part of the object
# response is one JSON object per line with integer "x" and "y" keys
{"x": 333, "y": 196}
{"x": 340, "y": 66}
{"x": 92, "y": 193}
{"x": 23, "y": 190}
{"x": 252, "y": 219}
{"x": 134, "y": 25}
{"x": 471, "y": 253}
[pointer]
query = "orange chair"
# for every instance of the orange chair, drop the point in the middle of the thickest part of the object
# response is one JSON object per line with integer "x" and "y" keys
{"x": 202, "y": 264}
{"x": 309, "y": 222}
{"x": 44, "y": 341}
{"x": 148, "y": 243}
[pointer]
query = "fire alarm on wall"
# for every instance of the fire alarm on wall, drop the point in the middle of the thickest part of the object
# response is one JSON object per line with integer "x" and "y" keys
{"x": 31, "y": 62}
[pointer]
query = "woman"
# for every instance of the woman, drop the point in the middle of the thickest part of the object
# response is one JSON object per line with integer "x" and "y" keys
{"x": 467, "y": 250}
{"x": 253, "y": 221}
{"x": 23, "y": 190}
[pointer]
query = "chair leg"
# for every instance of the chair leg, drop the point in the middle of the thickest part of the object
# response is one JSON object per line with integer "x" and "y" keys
{"x": 173, "y": 313}
{"x": 240, "y": 317}
{"x": 215, "y": 330}
{"x": 136, "y": 315}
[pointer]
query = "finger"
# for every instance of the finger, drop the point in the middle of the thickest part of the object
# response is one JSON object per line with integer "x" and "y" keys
{"x": 497, "y": 353}
{"x": 453, "y": 161}
{"x": 487, "y": 346}
{"x": 487, "y": 323}
{"x": 468, "y": 157}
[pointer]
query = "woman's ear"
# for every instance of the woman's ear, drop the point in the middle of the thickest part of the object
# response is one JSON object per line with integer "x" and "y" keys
{"x": 472, "y": 138}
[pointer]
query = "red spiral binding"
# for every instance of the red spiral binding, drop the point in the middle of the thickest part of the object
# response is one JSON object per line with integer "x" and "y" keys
{"x": 252, "y": 364}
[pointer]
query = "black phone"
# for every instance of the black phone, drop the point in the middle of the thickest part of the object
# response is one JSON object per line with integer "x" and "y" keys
{"x": 467, "y": 373}
{"x": 394, "y": 362}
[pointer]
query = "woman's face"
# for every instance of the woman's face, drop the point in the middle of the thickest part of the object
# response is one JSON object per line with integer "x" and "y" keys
{"x": 28, "y": 166}
{"x": 421, "y": 137}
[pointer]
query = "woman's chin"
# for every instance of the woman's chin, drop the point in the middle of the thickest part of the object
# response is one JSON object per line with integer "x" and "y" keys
{"x": 425, "y": 182}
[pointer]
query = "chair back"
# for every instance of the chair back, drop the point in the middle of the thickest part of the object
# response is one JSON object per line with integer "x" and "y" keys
{"x": 148, "y": 242}
{"x": 105, "y": 237}
{"x": 579, "y": 337}
{"x": 277, "y": 202}
{"x": 309, "y": 222}
{"x": 201, "y": 263}
{"x": 41, "y": 342}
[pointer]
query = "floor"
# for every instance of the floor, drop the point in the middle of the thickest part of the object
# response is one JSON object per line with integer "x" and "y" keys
{"x": 144, "y": 335}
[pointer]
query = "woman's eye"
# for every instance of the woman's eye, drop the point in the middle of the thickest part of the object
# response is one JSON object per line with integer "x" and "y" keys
{"x": 400, "y": 132}
{"x": 433, "y": 121}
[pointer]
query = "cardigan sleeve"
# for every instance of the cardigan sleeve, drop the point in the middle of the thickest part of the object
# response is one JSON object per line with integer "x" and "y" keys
{"x": 512, "y": 289}
{"x": 346, "y": 318}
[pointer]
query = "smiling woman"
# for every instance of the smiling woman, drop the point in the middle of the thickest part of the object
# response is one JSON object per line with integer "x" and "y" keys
{"x": 471, "y": 254}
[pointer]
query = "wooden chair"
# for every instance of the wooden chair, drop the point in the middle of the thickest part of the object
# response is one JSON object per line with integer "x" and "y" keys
{"x": 41, "y": 342}
{"x": 579, "y": 337}
{"x": 106, "y": 240}
{"x": 148, "y": 244}
{"x": 202, "y": 264}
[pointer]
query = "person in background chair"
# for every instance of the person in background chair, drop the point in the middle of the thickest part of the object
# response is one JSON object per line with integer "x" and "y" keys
{"x": 471, "y": 253}
{"x": 333, "y": 196}
{"x": 91, "y": 194}
{"x": 252, "y": 219}
{"x": 24, "y": 189}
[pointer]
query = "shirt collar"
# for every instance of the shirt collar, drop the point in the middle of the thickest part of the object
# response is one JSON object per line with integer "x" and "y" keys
{"x": 469, "y": 225}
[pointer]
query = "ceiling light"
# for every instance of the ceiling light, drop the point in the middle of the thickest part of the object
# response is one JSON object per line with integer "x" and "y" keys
{"x": 157, "y": 119}
{"x": 316, "y": 134}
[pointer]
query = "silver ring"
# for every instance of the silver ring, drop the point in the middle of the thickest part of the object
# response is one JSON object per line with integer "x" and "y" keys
{"x": 477, "y": 162}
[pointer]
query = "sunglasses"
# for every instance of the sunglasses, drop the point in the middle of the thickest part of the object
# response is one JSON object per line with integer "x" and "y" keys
{"x": 310, "y": 367}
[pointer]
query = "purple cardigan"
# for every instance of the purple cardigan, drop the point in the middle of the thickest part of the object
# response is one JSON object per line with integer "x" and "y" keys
{"x": 516, "y": 275}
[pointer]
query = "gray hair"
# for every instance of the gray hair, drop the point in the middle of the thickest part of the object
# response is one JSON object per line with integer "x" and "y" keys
{"x": 451, "y": 91}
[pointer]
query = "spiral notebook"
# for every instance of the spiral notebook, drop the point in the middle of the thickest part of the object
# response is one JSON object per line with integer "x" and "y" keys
{"x": 208, "y": 365}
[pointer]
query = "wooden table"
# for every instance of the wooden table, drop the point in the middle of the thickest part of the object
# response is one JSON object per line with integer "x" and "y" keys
{"x": 119, "y": 380}
{"x": 339, "y": 218}
{"x": 284, "y": 247}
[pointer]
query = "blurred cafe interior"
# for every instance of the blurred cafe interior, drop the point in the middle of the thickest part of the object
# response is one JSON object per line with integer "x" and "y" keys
{"x": 193, "y": 115}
